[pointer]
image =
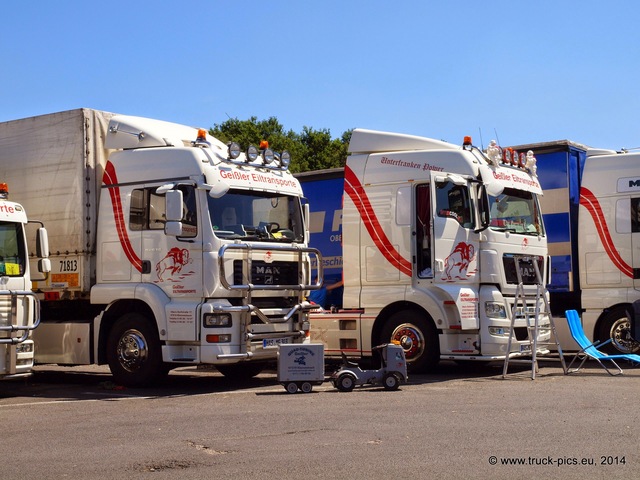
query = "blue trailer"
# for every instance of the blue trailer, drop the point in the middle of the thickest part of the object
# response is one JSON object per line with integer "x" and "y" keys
{"x": 560, "y": 165}
{"x": 591, "y": 271}
{"x": 323, "y": 190}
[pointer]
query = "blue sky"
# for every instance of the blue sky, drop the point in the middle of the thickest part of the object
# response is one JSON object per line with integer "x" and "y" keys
{"x": 526, "y": 71}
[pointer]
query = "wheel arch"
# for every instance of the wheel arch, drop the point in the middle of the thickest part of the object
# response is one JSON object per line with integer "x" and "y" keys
{"x": 597, "y": 328}
{"x": 389, "y": 310}
{"x": 112, "y": 314}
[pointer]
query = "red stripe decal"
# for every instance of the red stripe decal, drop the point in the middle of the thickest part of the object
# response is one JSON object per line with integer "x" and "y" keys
{"x": 589, "y": 201}
{"x": 110, "y": 179}
{"x": 355, "y": 190}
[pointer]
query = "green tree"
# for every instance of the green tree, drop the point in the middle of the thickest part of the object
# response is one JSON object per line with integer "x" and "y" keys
{"x": 310, "y": 150}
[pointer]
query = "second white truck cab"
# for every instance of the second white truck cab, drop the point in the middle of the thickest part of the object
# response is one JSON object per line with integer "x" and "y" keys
{"x": 431, "y": 234}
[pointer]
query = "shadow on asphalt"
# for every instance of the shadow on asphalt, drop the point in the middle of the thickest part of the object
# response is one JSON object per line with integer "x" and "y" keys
{"x": 78, "y": 383}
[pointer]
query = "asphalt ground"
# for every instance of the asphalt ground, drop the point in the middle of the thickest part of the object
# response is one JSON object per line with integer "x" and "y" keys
{"x": 460, "y": 422}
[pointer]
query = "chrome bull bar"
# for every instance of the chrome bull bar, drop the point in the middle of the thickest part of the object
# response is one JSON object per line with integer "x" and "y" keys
{"x": 11, "y": 315}
{"x": 302, "y": 256}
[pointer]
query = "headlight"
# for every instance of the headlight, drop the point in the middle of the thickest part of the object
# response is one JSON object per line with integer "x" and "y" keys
{"x": 495, "y": 310}
{"x": 500, "y": 331}
{"x": 217, "y": 320}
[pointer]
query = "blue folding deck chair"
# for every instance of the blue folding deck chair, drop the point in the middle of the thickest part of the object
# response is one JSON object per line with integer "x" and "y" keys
{"x": 589, "y": 349}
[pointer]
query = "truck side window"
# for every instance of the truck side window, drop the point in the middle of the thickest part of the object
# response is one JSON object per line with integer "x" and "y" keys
{"x": 148, "y": 211}
{"x": 453, "y": 201}
{"x": 137, "y": 210}
{"x": 423, "y": 231}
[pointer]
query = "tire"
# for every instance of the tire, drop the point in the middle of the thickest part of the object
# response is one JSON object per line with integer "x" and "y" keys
{"x": 134, "y": 353}
{"x": 241, "y": 371}
{"x": 306, "y": 387}
{"x": 291, "y": 387}
{"x": 418, "y": 337}
{"x": 390, "y": 381}
{"x": 615, "y": 326}
{"x": 345, "y": 382}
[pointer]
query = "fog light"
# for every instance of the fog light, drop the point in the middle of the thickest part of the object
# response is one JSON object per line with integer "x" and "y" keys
{"x": 26, "y": 347}
{"x": 217, "y": 320}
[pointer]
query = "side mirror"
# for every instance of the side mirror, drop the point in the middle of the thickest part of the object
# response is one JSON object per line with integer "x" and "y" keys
{"x": 44, "y": 265}
{"x": 42, "y": 243}
{"x": 174, "y": 206}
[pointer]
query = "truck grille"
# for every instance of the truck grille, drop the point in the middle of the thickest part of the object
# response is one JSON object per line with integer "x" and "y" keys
{"x": 263, "y": 273}
{"x": 527, "y": 270}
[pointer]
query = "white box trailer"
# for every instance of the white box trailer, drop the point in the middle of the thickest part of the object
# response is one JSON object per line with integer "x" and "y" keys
{"x": 54, "y": 164}
{"x": 168, "y": 247}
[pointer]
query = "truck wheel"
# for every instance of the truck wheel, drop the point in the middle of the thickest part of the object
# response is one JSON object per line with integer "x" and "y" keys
{"x": 306, "y": 387}
{"x": 133, "y": 352}
{"x": 345, "y": 382}
{"x": 241, "y": 371}
{"x": 418, "y": 338}
{"x": 390, "y": 381}
{"x": 616, "y": 326}
{"x": 291, "y": 387}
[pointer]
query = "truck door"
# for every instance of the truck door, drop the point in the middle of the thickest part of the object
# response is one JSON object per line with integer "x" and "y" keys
{"x": 174, "y": 263}
{"x": 455, "y": 243}
{"x": 423, "y": 235}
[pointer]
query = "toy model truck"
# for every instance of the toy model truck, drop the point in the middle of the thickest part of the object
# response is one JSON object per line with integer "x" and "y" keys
{"x": 591, "y": 208}
{"x": 19, "y": 306}
{"x": 427, "y": 236}
{"x": 168, "y": 247}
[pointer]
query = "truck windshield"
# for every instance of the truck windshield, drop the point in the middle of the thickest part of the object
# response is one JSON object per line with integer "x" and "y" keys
{"x": 257, "y": 216}
{"x": 516, "y": 211}
{"x": 12, "y": 253}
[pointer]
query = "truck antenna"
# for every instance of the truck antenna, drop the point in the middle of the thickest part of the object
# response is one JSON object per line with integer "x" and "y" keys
{"x": 497, "y": 139}
{"x": 481, "y": 141}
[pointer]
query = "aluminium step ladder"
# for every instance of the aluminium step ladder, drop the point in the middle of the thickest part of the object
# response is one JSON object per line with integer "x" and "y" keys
{"x": 532, "y": 321}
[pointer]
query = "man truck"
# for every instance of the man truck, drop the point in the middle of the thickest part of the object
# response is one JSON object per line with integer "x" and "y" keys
{"x": 428, "y": 238}
{"x": 590, "y": 208}
{"x": 19, "y": 306}
{"x": 168, "y": 247}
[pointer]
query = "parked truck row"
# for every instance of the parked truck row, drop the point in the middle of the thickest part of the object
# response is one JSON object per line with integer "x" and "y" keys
{"x": 168, "y": 247}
